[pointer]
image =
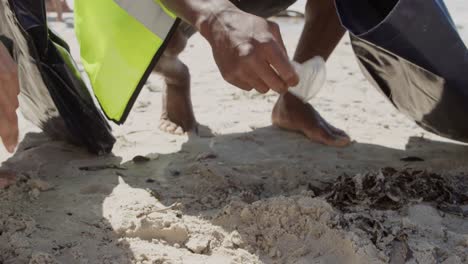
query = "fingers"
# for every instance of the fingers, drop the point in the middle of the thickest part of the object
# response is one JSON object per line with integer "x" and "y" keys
{"x": 271, "y": 78}
{"x": 9, "y": 122}
{"x": 259, "y": 85}
{"x": 236, "y": 80}
{"x": 8, "y": 73}
{"x": 262, "y": 64}
{"x": 12, "y": 140}
{"x": 248, "y": 82}
{"x": 281, "y": 64}
{"x": 9, "y": 132}
{"x": 9, "y": 90}
{"x": 255, "y": 72}
{"x": 258, "y": 76}
{"x": 277, "y": 56}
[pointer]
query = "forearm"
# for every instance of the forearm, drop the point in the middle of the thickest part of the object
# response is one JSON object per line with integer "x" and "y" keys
{"x": 322, "y": 31}
{"x": 199, "y": 13}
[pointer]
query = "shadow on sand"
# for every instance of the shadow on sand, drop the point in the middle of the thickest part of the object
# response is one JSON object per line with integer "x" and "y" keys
{"x": 266, "y": 168}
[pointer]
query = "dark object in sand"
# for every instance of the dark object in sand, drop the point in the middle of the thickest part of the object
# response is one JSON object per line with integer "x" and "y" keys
{"x": 411, "y": 51}
{"x": 412, "y": 159}
{"x": 175, "y": 173}
{"x": 55, "y": 97}
{"x": 102, "y": 167}
{"x": 206, "y": 156}
{"x": 140, "y": 159}
{"x": 390, "y": 189}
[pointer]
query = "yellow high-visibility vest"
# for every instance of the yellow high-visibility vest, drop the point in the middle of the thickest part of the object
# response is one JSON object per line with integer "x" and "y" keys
{"x": 120, "y": 43}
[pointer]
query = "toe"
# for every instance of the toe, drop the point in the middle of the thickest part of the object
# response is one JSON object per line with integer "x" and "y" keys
{"x": 327, "y": 137}
{"x": 335, "y": 130}
{"x": 339, "y": 133}
{"x": 171, "y": 128}
{"x": 179, "y": 131}
{"x": 164, "y": 126}
{"x": 341, "y": 141}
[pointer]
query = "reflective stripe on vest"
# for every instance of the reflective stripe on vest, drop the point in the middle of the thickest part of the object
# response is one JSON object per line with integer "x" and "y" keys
{"x": 120, "y": 42}
{"x": 150, "y": 14}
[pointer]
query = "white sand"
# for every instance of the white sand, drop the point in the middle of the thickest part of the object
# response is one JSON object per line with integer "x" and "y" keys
{"x": 241, "y": 196}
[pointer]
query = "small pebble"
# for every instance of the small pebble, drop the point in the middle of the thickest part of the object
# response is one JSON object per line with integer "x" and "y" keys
{"x": 40, "y": 185}
{"x": 236, "y": 239}
{"x": 35, "y": 193}
{"x": 7, "y": 179}
{"x": 42, "y": 258}
{"x": 198, "y": 244}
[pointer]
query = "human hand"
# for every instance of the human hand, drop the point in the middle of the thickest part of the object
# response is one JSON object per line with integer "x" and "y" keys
{"x": 249, "y": 51}
{"x": 9, "y": 86}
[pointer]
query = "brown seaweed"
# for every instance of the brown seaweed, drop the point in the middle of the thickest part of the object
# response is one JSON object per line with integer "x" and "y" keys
{"x": 391, "y": 189}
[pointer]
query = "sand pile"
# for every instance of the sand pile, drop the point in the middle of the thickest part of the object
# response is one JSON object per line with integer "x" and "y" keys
{"x": 372, "y": 225}
{"x": 296, "y": 230}
{"x": 367, "y": 225}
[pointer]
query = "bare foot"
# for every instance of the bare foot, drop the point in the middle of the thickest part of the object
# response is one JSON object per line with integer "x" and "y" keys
{"x": 292, "y": 114}
{"x": 177, "y": 115}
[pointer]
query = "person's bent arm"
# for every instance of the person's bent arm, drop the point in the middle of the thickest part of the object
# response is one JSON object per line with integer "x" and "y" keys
{"x": 248, "y": 49}
{"x": 9, "y": 91}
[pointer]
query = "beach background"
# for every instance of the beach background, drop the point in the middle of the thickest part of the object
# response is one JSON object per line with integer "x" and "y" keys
{"x": 242, "y": 191}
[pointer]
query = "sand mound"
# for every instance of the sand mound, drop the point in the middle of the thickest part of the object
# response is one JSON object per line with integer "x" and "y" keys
{"x": 300, "y": 228}
{"x": 296, "y": 230}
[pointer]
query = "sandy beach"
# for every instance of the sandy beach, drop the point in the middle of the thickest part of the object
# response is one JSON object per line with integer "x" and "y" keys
{"x": 242, "y": 191}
